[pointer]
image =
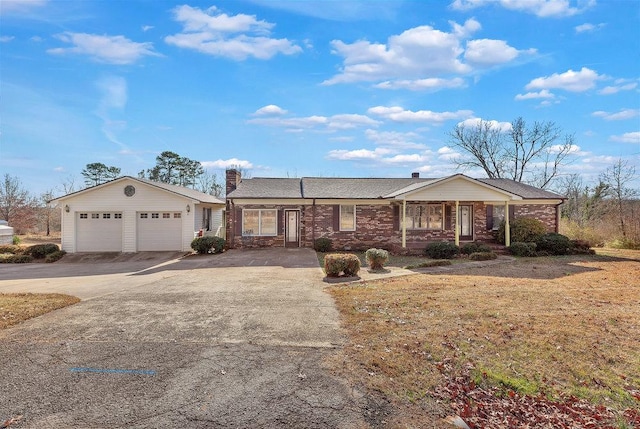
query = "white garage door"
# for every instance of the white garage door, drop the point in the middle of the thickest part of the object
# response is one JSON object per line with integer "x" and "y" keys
{"x": 159, "y": 231}
{"x": 99, "y": 232}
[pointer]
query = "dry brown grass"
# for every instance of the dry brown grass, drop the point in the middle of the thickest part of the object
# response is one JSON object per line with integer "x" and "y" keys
{"x": 557, "y": 325}
{"x": 18, "y": 307}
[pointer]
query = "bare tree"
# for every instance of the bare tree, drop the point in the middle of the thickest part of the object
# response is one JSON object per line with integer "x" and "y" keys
{"x": 208, "y": 183}
{"x": 525, "y": 154}
{"x": 68, "y": 185}
{"x": 617, "y": 177}
{"x": 16, "y": 205}
{"x": 48, "y": 213}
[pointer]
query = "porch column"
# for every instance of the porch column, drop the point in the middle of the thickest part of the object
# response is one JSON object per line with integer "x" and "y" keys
{"x": 507, "y": 229}
{"x": 457, "y": 230}
{"x": 404, "y": 224}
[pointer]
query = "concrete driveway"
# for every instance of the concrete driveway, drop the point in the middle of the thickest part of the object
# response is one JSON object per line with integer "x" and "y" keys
{"x": 231, "y": 340}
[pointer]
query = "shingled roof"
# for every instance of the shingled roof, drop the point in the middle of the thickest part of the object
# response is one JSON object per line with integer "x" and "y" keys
{"x": 359, "y": 188}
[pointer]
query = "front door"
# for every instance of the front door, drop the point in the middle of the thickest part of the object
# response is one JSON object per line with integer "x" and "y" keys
{"x": 466, "y": 222}
{"x": 292, "y": 228}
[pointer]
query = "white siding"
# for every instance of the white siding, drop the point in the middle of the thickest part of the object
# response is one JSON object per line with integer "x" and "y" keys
{"x": 217, "y": 226}
{"x": 111, "y": 198}
{"x": 459, "y": 189}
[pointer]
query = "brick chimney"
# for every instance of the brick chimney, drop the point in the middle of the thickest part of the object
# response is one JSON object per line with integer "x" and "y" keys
{"x": 233, "y": 178}
{"x": 415, "y": 175}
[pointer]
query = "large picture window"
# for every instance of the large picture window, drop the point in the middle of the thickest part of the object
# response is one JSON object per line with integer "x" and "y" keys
{"x": 347, "y": 218}
{"x": 259, "y": 222}
{"x": 498, "y": 216}
{"x": 424, "y": 216}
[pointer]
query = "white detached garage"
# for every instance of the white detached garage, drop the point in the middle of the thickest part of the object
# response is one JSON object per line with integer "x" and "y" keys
{"x": 134, "y": 215}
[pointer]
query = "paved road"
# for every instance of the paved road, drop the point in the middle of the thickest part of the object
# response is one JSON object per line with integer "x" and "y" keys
{"x": 232, "y": 340}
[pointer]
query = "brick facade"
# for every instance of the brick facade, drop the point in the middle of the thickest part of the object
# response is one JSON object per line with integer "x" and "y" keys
{"x": 376, "y": 226}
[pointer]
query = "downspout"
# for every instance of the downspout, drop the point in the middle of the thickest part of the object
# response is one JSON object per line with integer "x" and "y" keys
{"x": 232, "y": 223}
{"x": 507, "y": 228}
{"x": 404, "y": 223}
{"x": 457, "y": 230}
{"x": 313, "y": 222}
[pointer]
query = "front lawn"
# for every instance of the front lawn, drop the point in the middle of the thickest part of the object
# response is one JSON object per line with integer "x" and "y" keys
{"x": 529, "y": 340}
{"x": 18, "y": 307}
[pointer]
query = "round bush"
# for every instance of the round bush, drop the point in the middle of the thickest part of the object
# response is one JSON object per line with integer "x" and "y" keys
{"x": 323, "y": 244}
{"x": 554, "y": 244}
{"x": 39, "y": 251}
{"x": 522, "y": 249}
{"x": 203, "y": 245}
{"x": 55, "y": 256}
{"x": 341, "y": 263}
{"x": 441, "y": 250}
{"x": 482, "y": 256}
{"x": 523, "y": 230}
{"x": 376, "y": 258}
{"x": 474, "y": 247}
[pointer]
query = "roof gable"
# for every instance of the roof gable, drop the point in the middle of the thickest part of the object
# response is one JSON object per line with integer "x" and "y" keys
{"x": 191, "y": 194}
{"x": 456, "y": 187}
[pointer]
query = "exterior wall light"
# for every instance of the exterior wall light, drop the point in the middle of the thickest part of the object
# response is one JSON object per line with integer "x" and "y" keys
{"x": 66, "y": 208}
{"x": 188, "y": 208}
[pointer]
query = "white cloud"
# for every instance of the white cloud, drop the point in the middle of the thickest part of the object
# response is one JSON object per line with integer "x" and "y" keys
{"x": 433, "y": 84}
{"x": 633, "y": 137}
{"x": 20, "y": 5}
{"x": 534, "y": 95}
{"x": 398, "y": 114}
{"x": 619, "y": 116}
{"x": 447, "y": 154}
{"x": 541, "y": 8}
{"x": 106, "y": 49}
{"x": 486, "y": 52}
{"x": 341, "y": 121}
{"x": 36, "y": 39}
{"x": 358, "y": 154}
{"x": 570, "y": 80}
{"x": 474, "y": 122}
{"x": 588, "y": 28}
{"x": 270, "y": 110}
{"x": 406, "y": 159}
{"x": 146, "y": 28}
{"x": 227, "y": 163}
{"x": 573, "y": 149}
{"x": 6, "y": 39}
{"x": 114, "y": 92}
{"x": 236, "y": 37}
{"x": 58, "y": 169}
{"x": 394, "y": 139}
{"x": 619, "y": 85}
{"x": 416, "y": 53}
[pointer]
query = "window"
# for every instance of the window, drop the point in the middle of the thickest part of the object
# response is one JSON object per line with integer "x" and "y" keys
{"x": 347, "y": 218}
{"x": 95, "y": 216}
{"x": 83, "y": 216}
{"x": 259, "y": 222}
{"x": 427, "y": 216}
{"x": 177, "y": 215}
{"x": 106, "y": 215}
{"x": 117, "y": 215}
{"x": 166, "y": 215}
{"x": 206, "y": 219}
{"x": 144, "y": 215}
{"x": 155, "y": 215}
{"x": 498, "y": 216}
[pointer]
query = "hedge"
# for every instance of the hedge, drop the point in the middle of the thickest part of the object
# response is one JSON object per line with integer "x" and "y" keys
{"x": 208, "y": 244}
{"x": 523, "y": 230}
{"x": 347, "y": 264}
{"x": 323, "y": 244}
{"x": 522, "y": 249}
{"x": 376, "y": 258}
{"x": 441, "y": 250}
{"x": 474, "y": 247}
{"x": 482, "y": 256}
{"x": 40, "y": 251}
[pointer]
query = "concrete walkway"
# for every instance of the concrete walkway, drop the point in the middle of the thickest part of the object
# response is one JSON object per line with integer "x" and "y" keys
{"x": 231, "y": 340}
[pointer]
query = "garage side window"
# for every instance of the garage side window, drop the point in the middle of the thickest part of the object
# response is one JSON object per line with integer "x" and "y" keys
{"x": 144, "y": 215}
{"x": 259, "y": 222}
{"x": 117, "y": 216}
{"x": 84, "y": 216}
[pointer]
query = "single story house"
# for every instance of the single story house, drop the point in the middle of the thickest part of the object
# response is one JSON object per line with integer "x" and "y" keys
{"x": 393, "y": 213}
{"x": 129, "y": 214}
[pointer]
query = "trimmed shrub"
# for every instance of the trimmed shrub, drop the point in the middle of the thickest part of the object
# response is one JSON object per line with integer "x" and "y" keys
{"x": 554, "y": 244}
{"x": 16, "y": 259}
{"x": 9, "y": 248}
{"x": 482, "y": 256}
{"x": 581, "y": 247}
{"x": 522, "y": 249}
{"x": 474, "y": 247}
{"x": 441, "y": 250}
{"x": 39, "y": 251}
{"x": 322, "y": 244}
{"x": 341, "y": 263}
{"x": 523, "y": 230}
{"x": 203, "y": 245}
{"x": 16, "y": 240}
{"x": 376, "y": 258}
{"x": 55, "y": 256}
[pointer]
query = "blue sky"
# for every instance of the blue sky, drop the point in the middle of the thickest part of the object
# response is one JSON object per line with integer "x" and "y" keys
{"x": 308, "y": 88}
